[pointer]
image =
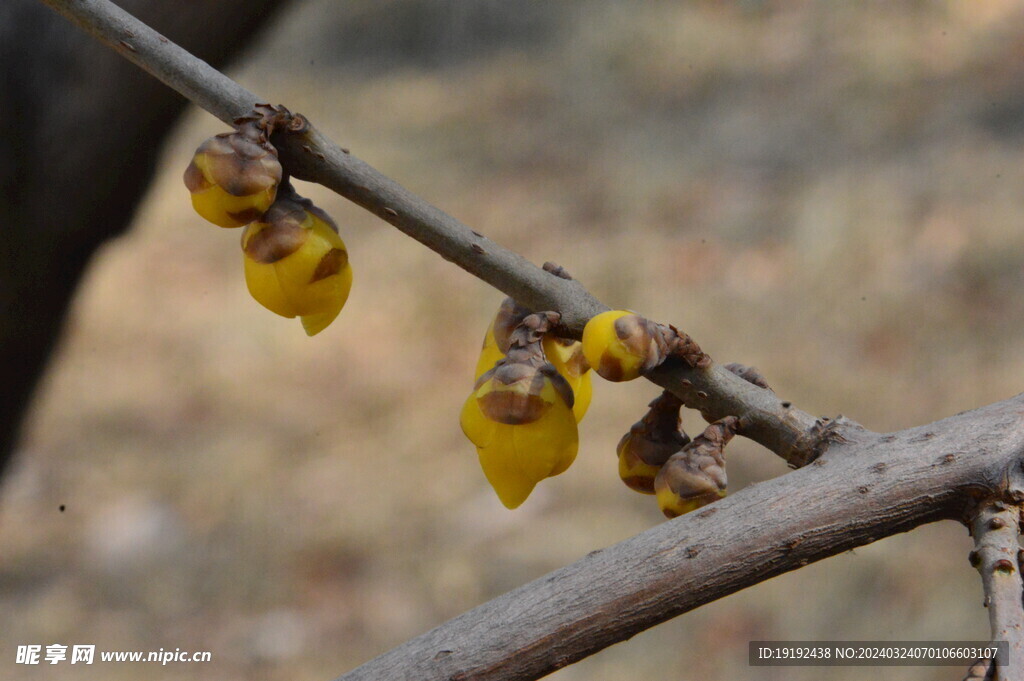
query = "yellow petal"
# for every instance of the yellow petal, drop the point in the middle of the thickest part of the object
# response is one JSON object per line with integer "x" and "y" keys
{"x": 518, "y": 457}
{"x": 490, "y": 354}
{"x": 217, "y": 206}
{"x": 478, "y": 428}
{"x": 568, "y": 360}
{"x": 313, "y": 324}
{"x": 583, "y": 390}
{"x": 262, "y": 282}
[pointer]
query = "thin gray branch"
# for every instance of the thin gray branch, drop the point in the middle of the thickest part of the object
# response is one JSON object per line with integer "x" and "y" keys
{"x": 311, "y": 156}
{"x": 996, "y": 527}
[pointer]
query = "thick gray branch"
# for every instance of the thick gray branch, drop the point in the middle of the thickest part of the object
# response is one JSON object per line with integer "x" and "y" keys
{"x": 995, "y": 527}
{"x": 311, "y": 156}
{"x": 869, "y": 487}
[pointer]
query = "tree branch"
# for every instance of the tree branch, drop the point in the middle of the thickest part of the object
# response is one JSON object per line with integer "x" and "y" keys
{"x": 863, "y": 486}
{"x": 858, "y": 492}
{"x": 996, "y": 527}
{"x": 309, "y": 155}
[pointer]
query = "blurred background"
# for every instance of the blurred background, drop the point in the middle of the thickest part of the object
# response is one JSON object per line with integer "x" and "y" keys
{"x": 828, "y": 191}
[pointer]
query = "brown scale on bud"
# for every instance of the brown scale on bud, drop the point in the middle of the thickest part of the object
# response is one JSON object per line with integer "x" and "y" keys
{"x": 333, "y": 262}
{"x": 749, "y": 374}
{"x": 510, "y": 315}
{"x": 520, "y": 378}
{"x": 695, "y": 476}
{"x": 684, "y": 347}
{"x": 650, "y": 442}
{"x": 284, "y": 234}
{"x": 268, "y": 118}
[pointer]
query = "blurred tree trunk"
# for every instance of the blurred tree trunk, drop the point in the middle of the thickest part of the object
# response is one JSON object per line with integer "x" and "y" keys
{"x": 83, "y": 130}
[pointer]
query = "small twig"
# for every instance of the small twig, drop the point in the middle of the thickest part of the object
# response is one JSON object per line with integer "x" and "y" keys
{"x": 996, "y": 527}
{"x": 311, "y": 156}
{"x": 981, "y": 670}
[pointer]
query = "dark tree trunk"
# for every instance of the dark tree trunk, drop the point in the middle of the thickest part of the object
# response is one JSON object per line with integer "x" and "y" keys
{"x": 82, "y": 130}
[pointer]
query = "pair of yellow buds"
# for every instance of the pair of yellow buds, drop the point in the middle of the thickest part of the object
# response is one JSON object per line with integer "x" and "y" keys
{"x": 657, "y": 457}
{"x": 532, "y": 389}
{"x": 295, "y": 263}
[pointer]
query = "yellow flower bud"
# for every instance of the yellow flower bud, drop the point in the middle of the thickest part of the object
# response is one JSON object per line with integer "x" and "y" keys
{"x": 296, "y": 265}
{"x": 233, "y": 177}
{"x": 650, "y": 442}
{"x": 621, "y": 345}
{"x": 695, "y": 476}
{"x": 520, "y": 417}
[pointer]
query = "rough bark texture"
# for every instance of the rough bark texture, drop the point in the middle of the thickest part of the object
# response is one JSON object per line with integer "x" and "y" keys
{"x": 863, "y": 489}
{"x": 76, "y": 154}
{"x": 996, "y": 527}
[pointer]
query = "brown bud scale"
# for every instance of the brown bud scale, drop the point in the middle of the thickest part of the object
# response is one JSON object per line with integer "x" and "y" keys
{"x": 333, "y": 262}
{"x": 275, "y": 241}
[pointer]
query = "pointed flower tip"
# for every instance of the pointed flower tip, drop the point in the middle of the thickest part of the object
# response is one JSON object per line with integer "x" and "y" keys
{"x": 315, "y": 323}
{"x": 512, "y": 497}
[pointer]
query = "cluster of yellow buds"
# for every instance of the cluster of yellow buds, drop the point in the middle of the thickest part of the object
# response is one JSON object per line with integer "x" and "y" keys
{"x": 528, "y": 378}
{"x": 565, "y": 354}
{"x": 295, "y": 263}
{"x": 657, "y": 457}
{"x": 523, "y": 412}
